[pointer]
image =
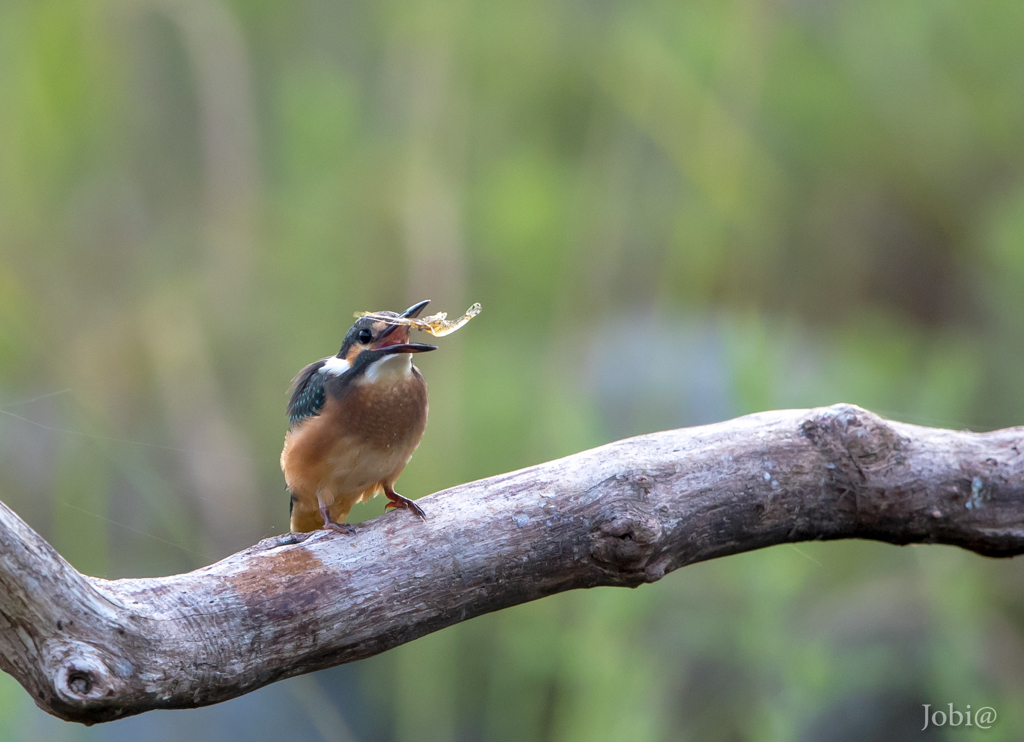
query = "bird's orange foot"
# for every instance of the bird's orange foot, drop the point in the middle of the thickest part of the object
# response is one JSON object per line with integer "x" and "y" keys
{"x": 331, "y": 525}
{"x": 396, "y": 501}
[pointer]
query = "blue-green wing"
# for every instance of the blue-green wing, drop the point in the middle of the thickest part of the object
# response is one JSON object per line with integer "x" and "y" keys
{"x": 308, "y": 394}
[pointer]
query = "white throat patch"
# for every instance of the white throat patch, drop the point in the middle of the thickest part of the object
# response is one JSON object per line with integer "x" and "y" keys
{"x": 334, "y": 366}
{"x": 389, "y": 368}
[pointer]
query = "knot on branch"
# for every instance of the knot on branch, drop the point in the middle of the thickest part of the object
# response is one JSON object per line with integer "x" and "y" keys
{"x": 853, "y": 441}
{"x": 80, "y": 676}
{"x": 627, "y": 541}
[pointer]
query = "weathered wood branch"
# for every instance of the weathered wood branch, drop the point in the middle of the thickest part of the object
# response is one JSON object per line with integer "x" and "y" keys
{"x": 92, "y": 650}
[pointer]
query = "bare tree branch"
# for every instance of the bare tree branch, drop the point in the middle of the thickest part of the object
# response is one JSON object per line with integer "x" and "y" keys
{"x": 92, "y": 650}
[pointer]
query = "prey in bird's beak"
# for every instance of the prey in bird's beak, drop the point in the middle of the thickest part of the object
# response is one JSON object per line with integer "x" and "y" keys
{"x": 395, "y": 337}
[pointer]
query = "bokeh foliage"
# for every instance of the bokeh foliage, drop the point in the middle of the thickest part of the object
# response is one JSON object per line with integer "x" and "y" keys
{"x": 672, "y": 212}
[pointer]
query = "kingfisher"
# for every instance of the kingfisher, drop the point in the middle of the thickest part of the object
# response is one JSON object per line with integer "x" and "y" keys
{"x": 354, "y": 420}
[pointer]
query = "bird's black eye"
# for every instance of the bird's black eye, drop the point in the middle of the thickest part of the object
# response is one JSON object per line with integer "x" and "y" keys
{"x": 365, "y": 336}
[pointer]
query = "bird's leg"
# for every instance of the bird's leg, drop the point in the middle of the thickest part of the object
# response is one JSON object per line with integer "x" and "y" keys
{"x": 332, "y": 525}
{"x": 395, "y": 500}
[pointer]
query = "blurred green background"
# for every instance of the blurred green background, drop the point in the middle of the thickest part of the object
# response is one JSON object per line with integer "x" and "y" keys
{"x": 673, "y": 213}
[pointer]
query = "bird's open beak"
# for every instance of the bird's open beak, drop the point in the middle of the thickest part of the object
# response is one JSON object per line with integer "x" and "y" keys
{"x": 408, "y": 348}
{"x": 392, "y": 340}
{"x": 415, "y": 309}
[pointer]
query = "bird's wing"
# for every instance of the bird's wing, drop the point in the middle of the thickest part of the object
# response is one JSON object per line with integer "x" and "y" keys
{"x": 308, "y": 394}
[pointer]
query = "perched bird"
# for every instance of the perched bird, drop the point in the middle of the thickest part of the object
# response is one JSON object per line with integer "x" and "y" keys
{"x": 354, "y": 421}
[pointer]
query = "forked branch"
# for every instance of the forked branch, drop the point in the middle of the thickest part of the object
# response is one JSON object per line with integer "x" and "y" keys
{"x": 93, "y": 650}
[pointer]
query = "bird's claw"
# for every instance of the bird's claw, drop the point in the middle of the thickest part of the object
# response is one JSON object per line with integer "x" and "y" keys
{"x": 397, "y": 501}
{"x": 331, "y": 525}
{"x": 345, "y": 528}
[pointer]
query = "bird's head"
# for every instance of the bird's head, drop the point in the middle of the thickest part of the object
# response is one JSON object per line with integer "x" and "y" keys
{"x": 374, "y": 339}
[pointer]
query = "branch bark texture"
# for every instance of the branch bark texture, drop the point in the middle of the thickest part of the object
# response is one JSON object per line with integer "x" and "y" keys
{"x": 92, "y": 650}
